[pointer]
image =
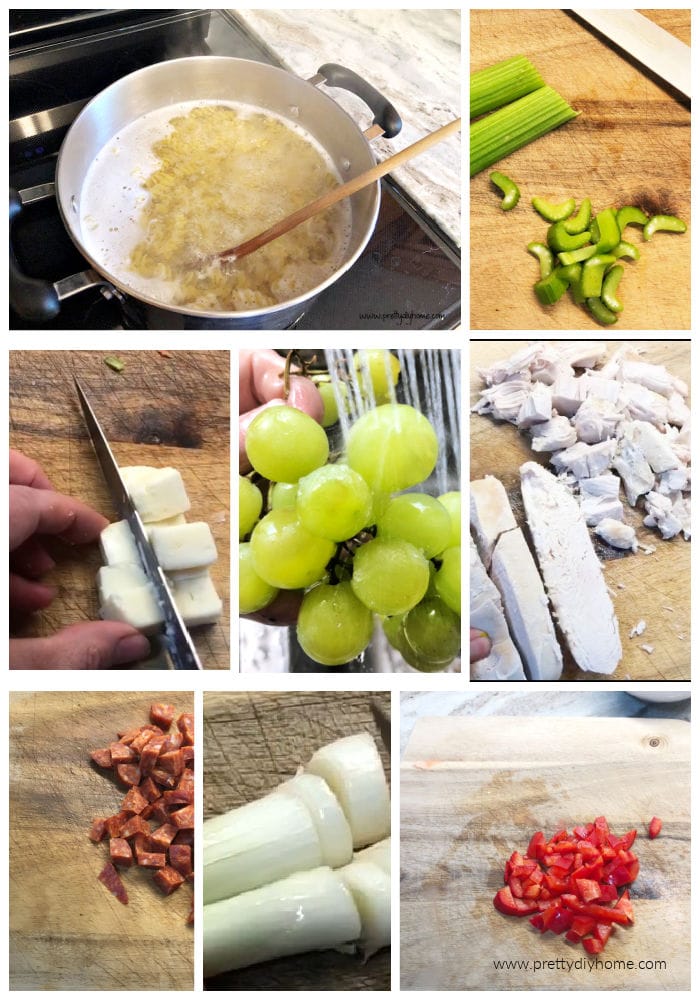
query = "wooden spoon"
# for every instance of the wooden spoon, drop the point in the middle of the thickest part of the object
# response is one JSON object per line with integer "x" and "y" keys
{"x": 337, "y": 194}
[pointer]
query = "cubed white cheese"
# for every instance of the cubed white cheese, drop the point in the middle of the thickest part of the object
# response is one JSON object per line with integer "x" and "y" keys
{"x": 156, "y": 493}
{"x": 137, "y": 606}
{"x": 196, "y": 599}
{"x": 117, "y": 544}
{"x": 182, "y": 546}
{"x": 175, "y": 519}
{"x": 118, "y": 579}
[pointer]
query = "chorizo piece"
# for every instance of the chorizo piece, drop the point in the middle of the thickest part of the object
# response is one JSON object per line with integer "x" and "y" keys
{"x": 162, "y": 715}
{"x": 120, "y": 852}
{"x": 110, "y": 878}
{"x": 168, "y": 880}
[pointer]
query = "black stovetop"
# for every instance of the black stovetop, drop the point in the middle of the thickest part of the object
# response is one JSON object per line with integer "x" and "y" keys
{"x": 407, "y": 278}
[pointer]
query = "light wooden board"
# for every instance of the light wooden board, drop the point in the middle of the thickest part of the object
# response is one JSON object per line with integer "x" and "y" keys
{"x": 475, "y": 789}
{"x": 159, "y": 411}
{"x": 67, "y": 932}
{"x": 656, "y": 587}
{"x": 629, "y": 145}
{"x": 252, "y": 742}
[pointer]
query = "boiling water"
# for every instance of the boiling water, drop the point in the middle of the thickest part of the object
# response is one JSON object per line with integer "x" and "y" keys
{"x": 430, "y": 381}
{"x": 209, "y": 205}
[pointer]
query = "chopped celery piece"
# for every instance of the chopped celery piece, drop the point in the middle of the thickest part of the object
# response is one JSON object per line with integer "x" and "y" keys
{"x": 514, "y": 126}
{"x": 494, "y": 86}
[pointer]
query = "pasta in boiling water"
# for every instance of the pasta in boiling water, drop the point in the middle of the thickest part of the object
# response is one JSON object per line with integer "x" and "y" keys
{"x": 225, "y": 174}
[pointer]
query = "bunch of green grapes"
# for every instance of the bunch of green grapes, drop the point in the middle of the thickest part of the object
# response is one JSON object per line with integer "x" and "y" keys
{"x": 348, "y": 535}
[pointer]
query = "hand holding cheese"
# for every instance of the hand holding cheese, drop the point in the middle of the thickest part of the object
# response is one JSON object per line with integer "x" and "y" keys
{"x": 182, "y": 549}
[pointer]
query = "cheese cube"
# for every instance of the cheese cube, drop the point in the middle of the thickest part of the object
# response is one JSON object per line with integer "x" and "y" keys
{"x": 182, "y": 546}
{"x": 118, "y": 579}
{"x": 156, "y": 493}
{"x": 196, "y": 599}
{"x": 117, "y": 544}
{"x": 175, "y": 519}
{"x": 136, "y": 606}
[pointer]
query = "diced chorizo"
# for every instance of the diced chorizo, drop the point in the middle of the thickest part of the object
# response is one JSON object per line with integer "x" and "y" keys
{"x": 149, "y": 758}
{"x": 164, "y": 835}
{"x": 147, "y": 733}
{"x": 157, "y": 811}
{"x": 178, "y": 797}
{"x": 98, "y": 830}
{"x": 162, "y": 715}
{"x": 134, "y": 801}
{"x": 149, "y": 789}
{"x": 183, "y": 818}
{"x": 163, "y": 779}
{"x": 128, "y": 735}
{"x": 172, "y": 742}
{"x": 168, "y": 880}
{"x": 121, "y": 753}
{"x": 115, "y": 824}
{"x": 120, "y": 852}
{"x": 186, "y": 782}
{"x": 149, "y": 859}
{"x": 129, "y": 774}
{"x": 172, "y": 762}
{"x": 135, "y": 825}
{"x": 184, "y": 837}
{"x": 185, "y": 724}
{"x": 180, "y": 858}
{"x": 188, "y": 756}
{"x": 103, "y": 758}
{"x": 110, "y": 878}
{"x": 142, "y": 843}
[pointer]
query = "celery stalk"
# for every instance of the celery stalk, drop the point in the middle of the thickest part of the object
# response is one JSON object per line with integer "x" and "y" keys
{"x": 514, "y": 126}
{"x": 497, "y": 85}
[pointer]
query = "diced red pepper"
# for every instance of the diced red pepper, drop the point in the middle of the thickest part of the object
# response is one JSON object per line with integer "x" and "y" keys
{"x": 593, "y": 946}
{"x": 654, "y": 827}
{"x": 536, "y": 845}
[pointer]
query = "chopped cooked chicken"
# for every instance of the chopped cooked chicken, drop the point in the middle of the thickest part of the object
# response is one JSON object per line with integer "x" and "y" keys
{"x": 672, "y": 481}
{"x": 634, "y": 469}
{"x": 653, "y": 377}
{"x": 598, "y": 387}
{"x": 655, "y": 445}
{"x": 606, "y": 485}
{"x": 503, "y": 400}
{"x": 596, "y": 420}
{"x": 599, "y": 508}
{"x": 571, "y": 571}
{"x": 669, "y": 515}
{"x": 617, "y": 534}
{"x": 678, "y": 410}
{"x": 582, "y": 354}
{"x": 490, "y": 514}
{"x": 486, "y": 614}
{"x": 567, "y": 394}
{"x": 516, "y": 364}
{"x": 514, "y": 572}
{"x": 585, "y": 460}
{"x": 537, "y": 408}
{"x": 553, "y": 435}
{"x": 640, "y": 403}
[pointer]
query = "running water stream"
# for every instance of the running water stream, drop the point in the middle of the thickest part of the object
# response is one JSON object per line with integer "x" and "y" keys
{"x": 429, "y": 381}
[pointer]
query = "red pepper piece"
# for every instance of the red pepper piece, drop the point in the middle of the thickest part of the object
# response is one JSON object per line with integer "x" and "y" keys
{"x": 654, "y": 827}
{"x": 603, "y": 932}
{"x": 593, "y": 946}
{"x": 537, "y": 845}
{"x": 624, "y": 904}
{"x": 506, "y": 903}
{"x": 536, "y": 921}
{"x": 588, "y": 890}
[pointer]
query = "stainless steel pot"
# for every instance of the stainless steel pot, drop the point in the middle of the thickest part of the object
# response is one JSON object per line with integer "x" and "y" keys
{"x": 207, "y": 78}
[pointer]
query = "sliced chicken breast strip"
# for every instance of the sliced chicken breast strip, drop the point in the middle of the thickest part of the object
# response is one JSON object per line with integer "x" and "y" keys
{"x": 486, "y": 614}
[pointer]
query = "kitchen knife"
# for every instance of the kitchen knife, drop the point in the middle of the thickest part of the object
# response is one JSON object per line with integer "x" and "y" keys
{"x": 652, "y": 46}
{"x": 176, "y": 638}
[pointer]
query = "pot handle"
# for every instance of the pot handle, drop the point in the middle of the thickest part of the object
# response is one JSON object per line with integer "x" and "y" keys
{"x": 34, "y": 299}
{"x": 385, "y": 114}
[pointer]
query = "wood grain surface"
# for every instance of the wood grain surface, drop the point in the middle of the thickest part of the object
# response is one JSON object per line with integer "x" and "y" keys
{"x": 159, "y": 411}
{"x": 67, "y": 932}
{"x": 630, "y": 144}
{"x": 653, "y": 587}
{"x": 254, "y": 741}
{"x": 475, "y": 789}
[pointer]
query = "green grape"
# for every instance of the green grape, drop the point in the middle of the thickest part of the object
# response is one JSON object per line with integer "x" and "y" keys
{"x": 389, "y": 576}
{"x": 448, "y": 579}
{"x": 433, "y": 631}
{"x": 253, "y": 592}
{"x": 417, "y": 518}
{"x": 249, "y": 506}
{"x": 284, "y": 444}
{"x": 333, "y": 626}
{"x": 282, "y": 495}
{"x": 452, "y": 502}
{"x": 334, "y": 502}
{"x": 285, "y": 554}
{"x": 330, "y": 403}
{"x": 384, "y": 369}
{"x": 394, "y": 631}
{"x": 392, "y": 447}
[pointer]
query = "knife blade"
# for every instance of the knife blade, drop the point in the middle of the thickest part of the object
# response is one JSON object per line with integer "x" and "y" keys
{"x": 652, "y": 46}
{"x": 177, "y": 639}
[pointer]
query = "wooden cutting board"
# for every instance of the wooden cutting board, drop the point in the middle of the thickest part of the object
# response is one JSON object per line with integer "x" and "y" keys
{"x": 159, "y": 411}
{"x": 475, "y": 789}
{"x": 656, "y": 587}
{"x": 252, "y": 742}
{"x": 630, "y": 144}
{"x": 67, "y": 932}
